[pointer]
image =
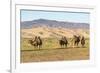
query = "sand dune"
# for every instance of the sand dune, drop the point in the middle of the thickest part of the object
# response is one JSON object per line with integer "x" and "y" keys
{"x": 49, "y": 32}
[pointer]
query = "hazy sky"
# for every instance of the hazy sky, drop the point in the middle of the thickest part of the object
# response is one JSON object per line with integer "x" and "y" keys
{"x": 27, "y": 15}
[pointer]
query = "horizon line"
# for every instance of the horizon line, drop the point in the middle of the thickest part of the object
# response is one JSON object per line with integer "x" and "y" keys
{"x": 54, "y": 20}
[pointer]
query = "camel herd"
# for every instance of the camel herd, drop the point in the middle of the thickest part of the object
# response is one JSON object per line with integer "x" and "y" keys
{"x": 37, "y": 42}
{"x": 75, "y": 41}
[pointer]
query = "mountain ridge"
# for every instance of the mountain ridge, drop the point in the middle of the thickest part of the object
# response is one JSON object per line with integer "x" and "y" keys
{"x": 53, "y": 23}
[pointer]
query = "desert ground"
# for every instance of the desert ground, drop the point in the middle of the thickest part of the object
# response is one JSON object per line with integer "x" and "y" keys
{"x": 52, "y": 51}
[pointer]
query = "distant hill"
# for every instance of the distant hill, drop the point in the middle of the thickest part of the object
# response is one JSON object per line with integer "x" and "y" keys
{"x": 53, "y": 23}
{"x": 47, "y": 32}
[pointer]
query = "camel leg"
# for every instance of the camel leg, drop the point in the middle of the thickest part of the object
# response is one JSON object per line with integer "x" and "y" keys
{"x": 66, "y": 45}
{"x": 39, "y": 47}
{"x": 77, "y": 44}
{"x": 73, "y": 44}
{"x": 61, "y": 46}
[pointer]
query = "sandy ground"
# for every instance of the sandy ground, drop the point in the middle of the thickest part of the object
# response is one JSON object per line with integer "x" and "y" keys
{"x": 56, "y": 54}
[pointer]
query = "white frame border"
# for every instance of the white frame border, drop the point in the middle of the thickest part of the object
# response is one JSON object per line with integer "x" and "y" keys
{"x": 16, "y": 67}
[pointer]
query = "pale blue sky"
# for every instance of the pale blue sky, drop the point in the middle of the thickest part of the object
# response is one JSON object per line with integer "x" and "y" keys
{"x": 27, "y": 15}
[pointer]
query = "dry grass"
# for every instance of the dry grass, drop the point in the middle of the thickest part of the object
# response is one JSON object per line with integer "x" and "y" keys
{"x": 51, "y": 51}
